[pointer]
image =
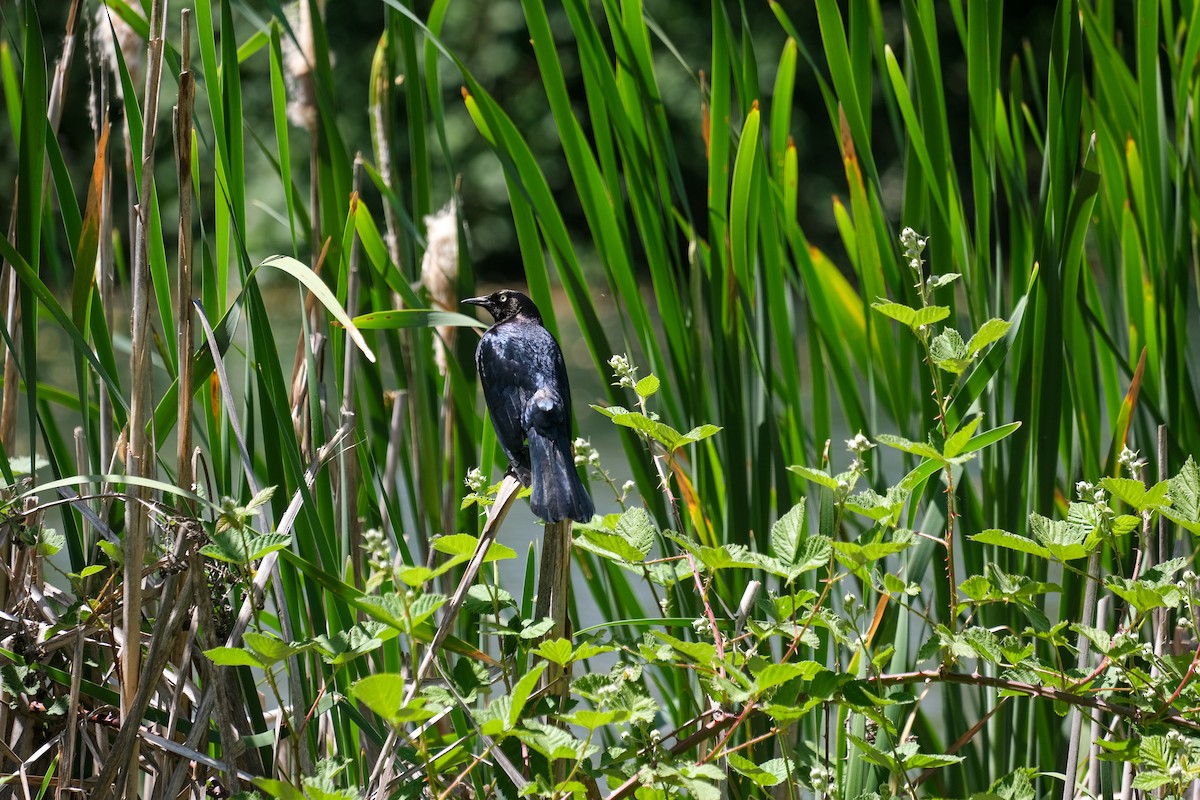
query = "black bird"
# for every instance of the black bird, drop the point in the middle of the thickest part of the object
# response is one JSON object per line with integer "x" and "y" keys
{"x": 525, "y": 385}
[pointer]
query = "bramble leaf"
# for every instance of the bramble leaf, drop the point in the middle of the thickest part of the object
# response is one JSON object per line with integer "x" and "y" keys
{"x": 991, "y": 331}
{"x": 818, "y": 476}
{"x": 912, "y": 317}
{"x": 232, "y": 657}
{"x": 1011, "y": 541}
{"x": 647, "y": 386}
{"x": 1184, "y": 494}
{"x": 787, "y": 532}
{"x": 949, "y": 352}
{"x": 916, "y": 448}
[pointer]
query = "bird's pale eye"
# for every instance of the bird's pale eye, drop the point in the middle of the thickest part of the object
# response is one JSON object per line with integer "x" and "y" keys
{"x": 503, "y": 298}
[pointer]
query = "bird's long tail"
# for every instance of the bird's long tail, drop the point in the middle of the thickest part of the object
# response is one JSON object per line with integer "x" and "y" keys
{"x": 558, "y": 493}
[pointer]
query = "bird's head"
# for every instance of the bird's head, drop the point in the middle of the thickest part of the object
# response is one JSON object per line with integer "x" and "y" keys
{"x": 506, "y": 304}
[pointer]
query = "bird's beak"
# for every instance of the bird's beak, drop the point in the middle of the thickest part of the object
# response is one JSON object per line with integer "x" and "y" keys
{"x": 475, "y": 301}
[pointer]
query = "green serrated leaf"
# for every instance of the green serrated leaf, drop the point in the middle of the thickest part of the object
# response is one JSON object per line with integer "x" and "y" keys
{"x": 1100, "y": 638}
{"x": 730, "y": 556}
{"x": 627, "y": 538}
{"x": 262, "y": 498}
{"x": 873, "y": 754}
{"x": 818, "y": 476}
{"x": 930, "y": 761}
{"x": 1123, "y": 524}
{"x": 521, "y": 692}
{"x": 423, "y": 607}
{"x": 280, "y": 790}
{"x": 415, "y": 576}
{"x": 269, "y": 649}
{"x": 858, "y": 555}
{"x": 557, "y": 651}
{"x": 610, "y": 411}
{"x": 897, "y": 311}
{"x": 637, "y": 528}
{"x": 536, "y": 630}
{"x": 647, "y": 386}
{"x": 700, "y": 433}
{"x": 787, "y": 532}
{"x": 660, "y": 432}
{"x": 770, "y": 773}
{"x": 1151, "y": 780}
{"x": 589, "y": 650}
{"x": 814, "y": 552}
{"x": 991, "y": 331}
{"x": 90, "y": 570}
{"x": 232, "y": 657}
{"x": 958, "y": 440}
{"x": 487, "y": 599}
{"x": 553, "y": 743}
{"x": 50, "y": 542}
{"x": 1010, "y": 541}
{"x": 244, "y": 546}
{"x": 114, "y": 551}
{"x": 1135, "y": 493}
{"x": 1184, "y": 494}
{"x": 976, "y": 587}
{"x": 702, "y": 653}
{"x": 464, "y": 544}
{"x": 984, "y": 643}
{"x": 938, "y": 281}
{"x": 592, "y": 720}
{"x": 916, "y": 448}
{"x": 611, "y": 546}
{"x": 774, "y": 675}
{"x": 1143, "y": 595}
{"x": 912, "y": 317}
{"x": 493, "y": 719}
{"x": 929, "y": 315}
{"x": 893, "y": 584}
{"x": 383, "y": 693}
{"x": 949, "y": 352}
{"x": 1063, "y": 540}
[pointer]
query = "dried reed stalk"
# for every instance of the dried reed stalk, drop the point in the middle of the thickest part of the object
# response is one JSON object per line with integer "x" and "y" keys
{"x": 138, "y": 456}
{"x": 183, "y": 302}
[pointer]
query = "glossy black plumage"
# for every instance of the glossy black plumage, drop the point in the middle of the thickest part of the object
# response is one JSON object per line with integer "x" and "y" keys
{"x": 529, "y": 399}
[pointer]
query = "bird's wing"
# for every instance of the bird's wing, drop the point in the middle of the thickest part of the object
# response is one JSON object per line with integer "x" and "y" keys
{"x": 545, "y": 412}
{"x": 502, "y": 372}
{"x": 561, "y": 383}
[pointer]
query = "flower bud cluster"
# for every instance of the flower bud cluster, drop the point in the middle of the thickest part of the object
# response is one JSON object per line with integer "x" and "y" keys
{"x": 379, "y": 554}
{"x": 1091, "y": 493}
{"x": 857, "y": 446}
{"x": 913, "y": 244}
{"x": 585, "y": 454}
{"x": 624, "y": 371}
{"x": 1131, "y": 461}
{"x": 476, "y": 481}
{"x": 823, "y": 780}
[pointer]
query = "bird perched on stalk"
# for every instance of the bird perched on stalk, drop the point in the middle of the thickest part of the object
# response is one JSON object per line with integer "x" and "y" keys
{"x": 529, "y": 399}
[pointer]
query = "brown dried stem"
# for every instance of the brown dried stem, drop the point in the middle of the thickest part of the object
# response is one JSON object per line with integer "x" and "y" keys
{"x": 138, "y": 456}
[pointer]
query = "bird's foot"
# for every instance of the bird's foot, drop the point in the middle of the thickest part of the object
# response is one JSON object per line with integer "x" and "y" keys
{"x": 522, "y": 474}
